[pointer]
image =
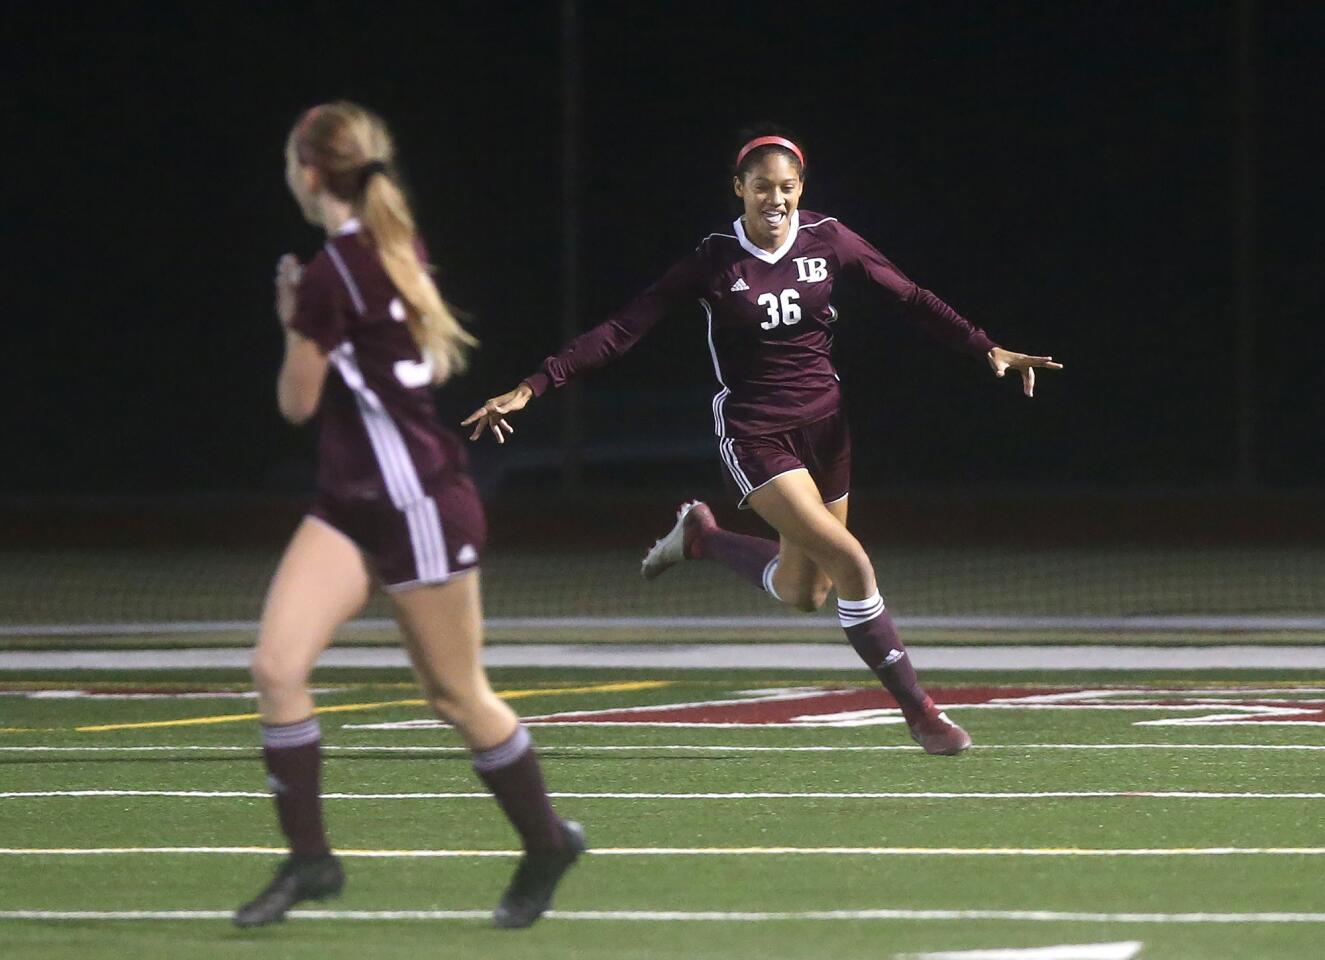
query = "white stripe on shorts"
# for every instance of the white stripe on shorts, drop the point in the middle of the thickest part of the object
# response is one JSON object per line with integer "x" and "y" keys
{"x": 403, "y": 486}
{"x": 728, "y": 451}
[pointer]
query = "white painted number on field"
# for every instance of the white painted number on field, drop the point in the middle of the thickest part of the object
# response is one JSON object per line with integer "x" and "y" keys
{"x": 811, "y": 269}
{"x": 1080, "y": 951}
{"x": 781, "y": 309}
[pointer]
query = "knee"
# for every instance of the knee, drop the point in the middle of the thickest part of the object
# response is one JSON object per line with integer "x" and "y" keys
{"x": 854, "y": 572}
{"x": 811, "y": 600}
{"x": 272, "y": 673}
{"x": 459, "y": 710}
{"x": 446, "y": 708}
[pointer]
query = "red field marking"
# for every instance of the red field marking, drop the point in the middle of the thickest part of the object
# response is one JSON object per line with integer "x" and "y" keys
{"x": 829, "y": 707}
{"x": 803, "y": 706}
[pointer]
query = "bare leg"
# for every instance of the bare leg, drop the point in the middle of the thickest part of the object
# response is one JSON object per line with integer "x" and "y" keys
{"x": 784, "y": 569}
{"x": 798, "y": 580}
{"x": 444, "y": 627}
{"x": 321, "y": 582}
{"x": 792, "y": 505}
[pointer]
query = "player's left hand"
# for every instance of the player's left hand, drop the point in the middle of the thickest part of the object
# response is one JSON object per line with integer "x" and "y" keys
{"x": 492, "y": 415}
{"x": 288, "y": 272}
{"x": 1004, "y": 360}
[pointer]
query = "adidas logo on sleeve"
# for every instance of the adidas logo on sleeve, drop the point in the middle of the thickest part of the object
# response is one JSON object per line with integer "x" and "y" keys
{"x": 739, "y": 285}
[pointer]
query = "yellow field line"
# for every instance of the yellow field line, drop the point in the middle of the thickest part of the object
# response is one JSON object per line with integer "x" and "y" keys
{"x": 621, "y": 687}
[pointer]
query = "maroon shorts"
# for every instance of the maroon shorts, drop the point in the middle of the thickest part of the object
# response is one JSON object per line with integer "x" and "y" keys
{"x": 426, "y": 542}
{"x": 823, "y": 448}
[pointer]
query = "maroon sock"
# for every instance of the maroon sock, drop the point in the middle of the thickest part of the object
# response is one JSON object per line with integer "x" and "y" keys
{"x": 753, "y": 558}
{"x": 293, "y": 754}
{"x": 511, "y": 771}
{"x": 871, "y": 631}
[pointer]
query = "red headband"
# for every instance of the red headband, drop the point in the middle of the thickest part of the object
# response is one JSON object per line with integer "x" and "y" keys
{"x": 758, "y": 142}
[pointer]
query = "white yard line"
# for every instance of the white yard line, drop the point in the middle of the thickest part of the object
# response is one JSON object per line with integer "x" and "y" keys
{"x": 1080, "y": 951}
{"x": 701, "y": 852}
{"x": 818, "y": 657}
{"x": 1126, "y": 624}
{"x": 701, "y": 748}
{"x": 750, "y": 795}
{"x": 687, "y": 916}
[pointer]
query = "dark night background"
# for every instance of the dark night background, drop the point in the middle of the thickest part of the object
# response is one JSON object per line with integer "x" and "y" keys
{"x": 1062, "y": 173}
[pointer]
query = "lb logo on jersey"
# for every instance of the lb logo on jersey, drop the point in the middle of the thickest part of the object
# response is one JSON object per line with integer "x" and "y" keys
{"x": 811, "y": 269}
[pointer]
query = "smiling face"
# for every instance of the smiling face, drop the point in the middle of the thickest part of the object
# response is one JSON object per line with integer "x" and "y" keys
{"x": 770, "y": 191}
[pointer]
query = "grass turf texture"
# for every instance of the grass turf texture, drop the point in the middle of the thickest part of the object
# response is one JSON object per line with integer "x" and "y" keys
{"x": 1237, "y": 884}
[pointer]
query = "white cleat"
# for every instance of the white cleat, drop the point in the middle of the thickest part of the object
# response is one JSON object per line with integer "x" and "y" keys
{"x": 672, "y": 548}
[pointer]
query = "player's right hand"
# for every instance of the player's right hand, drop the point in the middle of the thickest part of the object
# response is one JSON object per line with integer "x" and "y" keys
{"x": 492, "y": 415}
{"x": 288, "y": 272}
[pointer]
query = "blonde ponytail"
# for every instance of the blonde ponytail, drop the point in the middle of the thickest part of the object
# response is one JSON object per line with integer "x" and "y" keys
{"x": 352, "y": 148}
{"x": 386, "y": 215}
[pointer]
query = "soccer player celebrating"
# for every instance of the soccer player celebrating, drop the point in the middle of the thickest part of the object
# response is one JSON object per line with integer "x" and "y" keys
{"x": 766, "y": 288}
{"x": 395, "y": 507}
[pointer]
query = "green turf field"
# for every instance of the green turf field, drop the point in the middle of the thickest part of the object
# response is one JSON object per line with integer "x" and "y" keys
{"x": 1075, "y": 820}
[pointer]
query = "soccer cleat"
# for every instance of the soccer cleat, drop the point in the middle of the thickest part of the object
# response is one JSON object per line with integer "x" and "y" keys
{"x": 692, "y": 519}
{"x": 939, "y": 735}
{"x": 299, "y": 878}
{"x": 536, "y": 879}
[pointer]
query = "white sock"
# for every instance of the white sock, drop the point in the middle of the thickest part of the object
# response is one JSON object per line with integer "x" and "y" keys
{"x": 852, "y": 613}
{"x": 769, "y": 572}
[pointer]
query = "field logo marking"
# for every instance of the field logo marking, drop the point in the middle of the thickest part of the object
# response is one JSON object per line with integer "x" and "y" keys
{"x": 811, "y": 707}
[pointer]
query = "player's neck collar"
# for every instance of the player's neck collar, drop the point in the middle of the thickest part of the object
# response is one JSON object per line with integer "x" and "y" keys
{"x": 351, "y": 225}
{"x": 765, "y": 255}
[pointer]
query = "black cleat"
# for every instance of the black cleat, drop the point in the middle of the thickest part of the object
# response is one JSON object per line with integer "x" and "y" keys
{"x": 299, "y": 878}
{"x": 536, "y": 879}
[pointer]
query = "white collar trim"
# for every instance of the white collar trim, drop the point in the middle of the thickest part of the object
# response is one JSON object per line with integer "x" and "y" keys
{"x": 765, "y": 255}
{"x": 351, "y": 225}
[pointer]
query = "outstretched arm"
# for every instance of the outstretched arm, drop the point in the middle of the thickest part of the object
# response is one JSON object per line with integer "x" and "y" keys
{"x": 932, "y": 315}
{"x": 920, "y": 306}
{"x": 594, "y": 348}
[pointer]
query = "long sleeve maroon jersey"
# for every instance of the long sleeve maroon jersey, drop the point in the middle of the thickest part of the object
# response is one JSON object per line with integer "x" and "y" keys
{"x": 379, "y": 435}
{"x": 770, "y": 322}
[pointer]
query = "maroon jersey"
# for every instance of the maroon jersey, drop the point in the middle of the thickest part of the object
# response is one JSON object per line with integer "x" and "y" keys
{"x": 379, "y": 435}
{"x": 770, "y": 320}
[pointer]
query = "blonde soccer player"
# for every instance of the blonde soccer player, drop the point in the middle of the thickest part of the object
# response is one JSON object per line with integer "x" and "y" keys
{"x": 367, "y": 338}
